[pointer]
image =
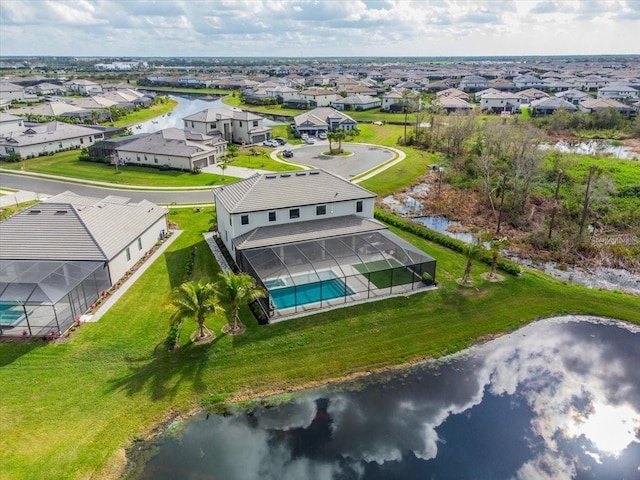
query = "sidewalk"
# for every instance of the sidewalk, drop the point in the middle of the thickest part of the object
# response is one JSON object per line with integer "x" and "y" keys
{"x": 14, "y": 198}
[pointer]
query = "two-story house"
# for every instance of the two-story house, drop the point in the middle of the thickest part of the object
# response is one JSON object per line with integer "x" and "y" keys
{"x": 235, "y": 126}
{"x": 310, "y": 239}
{"x": 323, "y": 119}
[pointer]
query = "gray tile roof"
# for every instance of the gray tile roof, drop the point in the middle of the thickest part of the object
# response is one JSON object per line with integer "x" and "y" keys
{"x": 220, "y": 113}
{"x": 287, "y": 189}
{"x": 47, "y": 132}
{"x": 72, "y": 227}
{"x": 170, "y": 141}
{"x": 304, "y": 231}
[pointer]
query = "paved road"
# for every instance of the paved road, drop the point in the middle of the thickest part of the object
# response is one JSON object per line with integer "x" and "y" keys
{"x": 46, "y": 187}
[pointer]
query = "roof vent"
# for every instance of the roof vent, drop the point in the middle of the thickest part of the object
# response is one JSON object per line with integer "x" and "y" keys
{"x": 314, "y": 173}
{"x": 61, "y": 212}
{"x": 300, "y": 174}
{"x": 285, "y": 175}
{"x": 34, "y": 212}
{"x": 270, "y": 176}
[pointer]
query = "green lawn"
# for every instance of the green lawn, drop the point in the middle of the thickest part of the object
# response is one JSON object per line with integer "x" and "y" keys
{"x": 383, "y": 277}
{"x": 261, "y": 161}
{"x": 69, "y": 410}
{"x": 66, "y": 164}
{"x": 144, "y": 114}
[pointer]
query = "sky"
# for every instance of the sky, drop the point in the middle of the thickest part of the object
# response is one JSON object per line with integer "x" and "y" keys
{"x": 318, "y": 28}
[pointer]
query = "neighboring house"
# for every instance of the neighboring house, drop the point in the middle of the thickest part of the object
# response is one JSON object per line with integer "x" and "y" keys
{"x": 499, "y": 102}
{"x": 323, "y": 119}
{"x": 173, "y": 148}
{"x": 46, "y": 89}
{"x": 390, "y": 99}
{"x": 502, "y": 84}
{"x": 83, "y": 87}
{"x": 531, "y": 94}
{"x": 473, "y": 83}
{"x": 48, "y": 138}
{"x": 618, "y": 92}
{"x": 299, "y": 104}
{"x": 235, "y": 126}
{"x": 453, "y": 92}
{"x": 58, "y": 256}
{"x": 9, "y": 123}
{"x": 599, "y": 104}
{"x": 549, "y": 105}
{"x": 527, "y": 81}
{"x": 574, "y": 96}
{"x": 591, "y": 83}
{"x": 317, "y": 245}
{"x": 452, "y": 104}
{"x": 357, "y": 103}
{"x": 54, "y": 109}
{"x": 11, "y": 91}
{"x": 321, "y": 96}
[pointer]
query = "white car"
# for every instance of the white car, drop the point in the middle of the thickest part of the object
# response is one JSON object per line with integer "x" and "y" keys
{"x": 270, "y": 143}
{"x": 308, "y": 141}
{"x": 322, "y": 136}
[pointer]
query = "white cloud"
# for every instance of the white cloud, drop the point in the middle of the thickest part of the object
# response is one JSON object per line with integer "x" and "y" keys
{"x": 316, "y": 28}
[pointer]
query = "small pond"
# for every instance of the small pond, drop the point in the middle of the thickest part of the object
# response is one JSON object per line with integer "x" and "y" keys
{"x": 558, "y": 399}
{"x": 594, "y": 147}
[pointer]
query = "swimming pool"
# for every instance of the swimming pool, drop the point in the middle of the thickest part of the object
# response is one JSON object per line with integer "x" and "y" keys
{"x": 287, "y": 297}
{"x": 10, "y": 314}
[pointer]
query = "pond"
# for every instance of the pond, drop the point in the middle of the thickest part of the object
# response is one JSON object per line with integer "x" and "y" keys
{"x": 594, "y": 147}
{"x": 557, "y": 399}
{"x": 187, "y": 105}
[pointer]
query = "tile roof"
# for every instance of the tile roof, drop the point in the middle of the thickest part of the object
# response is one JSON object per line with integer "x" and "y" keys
{"x": 287, "y": 189}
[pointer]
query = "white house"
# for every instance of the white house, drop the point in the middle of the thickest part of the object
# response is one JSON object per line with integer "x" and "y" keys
{"x": 9, "y": 123}
{"x": 236, "y": 126}
{"x": 83, "y": 86}
{"x": 173, "y": 148}
{"x": 316, "y": 245}
{"x": 46, "y": 138}
{"x": 322, "y": 97}
{"x": 323, "y": 119}
{"x": 11, "y": 91}
{"x": 58, "y": 256}
{"x": 391, "y": 98}
{"x": 618, "y": 92}
{"x": 357, "y": 102}
{"x": 500, "y": 102}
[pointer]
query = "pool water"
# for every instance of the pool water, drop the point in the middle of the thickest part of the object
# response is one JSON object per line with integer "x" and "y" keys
{"x": 9, "y": 315}
{"x": 308, "y": 293}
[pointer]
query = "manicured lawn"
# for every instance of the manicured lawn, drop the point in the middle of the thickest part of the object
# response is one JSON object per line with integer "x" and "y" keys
{"x": 68, "y": 410}
{"x": 261, "y": 161}
{"x": 66, "y": 164}
{"x": 382, "y": 277}
{"x": 146, "y": 113}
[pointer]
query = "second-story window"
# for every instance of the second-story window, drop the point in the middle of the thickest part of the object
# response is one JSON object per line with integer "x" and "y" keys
{"x": 359, "y": 206}
{"x": 272, "y": 216}
{"x": 294, "y": 213}
{"x": 244, "y": 219}
{"x": 321, "y": 210}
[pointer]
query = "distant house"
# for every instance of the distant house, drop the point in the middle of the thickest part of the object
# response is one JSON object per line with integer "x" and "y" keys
{"x": 453, "y": 104}
{"x": 530, "y": 94}
{"x": 11, "y": 91}
{"x": 9, "y": 123}
{"x": 473, "y": 83}
{"x": 47, "y": 138}
{"x": 58, "y": 256}
{"x": 299, "y": 103}
{"x": 321, "y": 96}
{"x": 318, "y": 245}
{"x": 173, "y": 148}
{"x": 527, "y": 81}
{"x": 599, "y": 104}
{"x": 235, "y": 126}
{"x": 83, "y": 87}
{"x": 618, "y": 91}
{"x": 499, "y": 102}
{"x": 55, "y": 109}
{"x": 453, "y": 92}
{"x": 574, "y": 96}
{"x": 549, "y": 105}
{"x": 357, "y": 103}
{"x": 591, "y": 83}
{"x": 390, "y": 99}
{"x": 323, "y": 119}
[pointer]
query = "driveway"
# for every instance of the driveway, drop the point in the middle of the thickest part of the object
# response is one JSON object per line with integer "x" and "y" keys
{"x": 364, "y": 157}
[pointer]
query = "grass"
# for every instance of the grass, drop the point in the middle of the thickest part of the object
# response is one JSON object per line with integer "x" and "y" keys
{"x": 68, "y": 410}
{"x": 383, "y": 277}
{"x": 261, "y": 161}
{"x": 144, "y": 114}
{"x": 66, "y": 164}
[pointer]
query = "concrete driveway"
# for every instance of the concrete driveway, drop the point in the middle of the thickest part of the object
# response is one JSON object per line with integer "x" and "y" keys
{"x": 364, "y": 157}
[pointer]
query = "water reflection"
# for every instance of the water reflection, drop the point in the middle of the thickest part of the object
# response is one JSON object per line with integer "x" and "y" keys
{"x": 557, "y": 399}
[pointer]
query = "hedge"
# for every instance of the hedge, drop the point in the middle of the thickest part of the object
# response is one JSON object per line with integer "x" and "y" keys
{"x": 444, "y": 240}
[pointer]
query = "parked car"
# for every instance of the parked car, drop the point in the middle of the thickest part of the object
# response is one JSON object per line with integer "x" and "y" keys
{"x": 308, "y": 141}
{"x": 322, "y": 135}
{"x": 287, "y": 154}
{"x": 280, "y": 140}
{"x": 270, "y": 143}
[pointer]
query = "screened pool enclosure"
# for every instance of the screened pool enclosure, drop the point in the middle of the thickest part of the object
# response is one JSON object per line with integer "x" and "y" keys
{"x": 330, "y": 271}
{"x": 41, "y": 297}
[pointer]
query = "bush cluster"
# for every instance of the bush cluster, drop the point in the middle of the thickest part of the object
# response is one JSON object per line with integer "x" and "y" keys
{"x": 445, "y": 241}
{"x": 188, "y": 269}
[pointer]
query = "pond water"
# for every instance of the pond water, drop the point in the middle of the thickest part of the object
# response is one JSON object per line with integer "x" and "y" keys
{"x": 187, "y": 105}
{"x": 593, "y": 147}
{"x": 558, "y": 399}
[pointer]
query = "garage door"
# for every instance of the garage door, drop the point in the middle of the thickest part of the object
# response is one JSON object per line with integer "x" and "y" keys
{"x": 259, "y": 138}
{"x": 200, "y": 163}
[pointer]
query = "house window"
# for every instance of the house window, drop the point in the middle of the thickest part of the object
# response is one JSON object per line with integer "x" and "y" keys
{"x": 240, "y": 123}
{"x": 138, "y": 157}
{"x": 244, "y": 219}
{"x": 139, "y": 243}
{"x": 155, "y": 159}
{"x": 255, "y": 123}
{"x": 272, "y": 216}
{"x": 359, "y": 206}
{"x": 59, "y": 144}
{"x": 192, "y": 125}
{"x": 294, "y": 213}
{"x": 127, "y": 252}
{"x": 212, "y": 126}
{"x": 81, "y": 140}
{"x": 321, "y": 210}
{"x": 230, "y": 220}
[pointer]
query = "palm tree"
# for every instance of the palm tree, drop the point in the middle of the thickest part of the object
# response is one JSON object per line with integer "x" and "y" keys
{"x": 195, "y": 300}
{"x": 340, "y": 135}
{"x": 237, "y": 290}
{"x": 495, "y": 244}
{"x": 331, "y": 136}
{"x": 471, "y": 251}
